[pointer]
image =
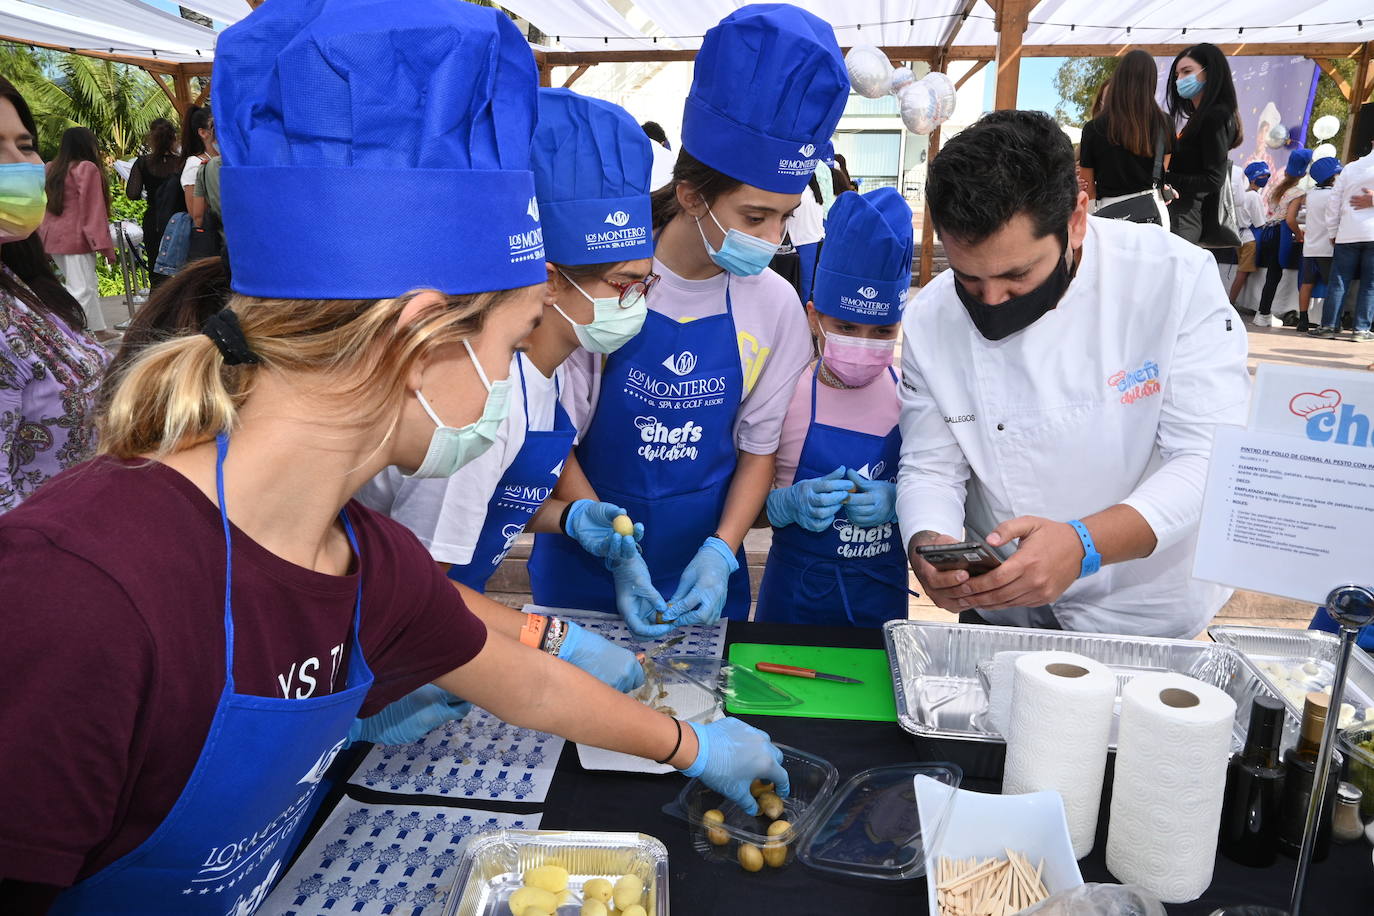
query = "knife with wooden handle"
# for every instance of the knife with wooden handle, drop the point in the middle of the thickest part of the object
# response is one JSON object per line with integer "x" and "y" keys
{"x": 794, "y": 671}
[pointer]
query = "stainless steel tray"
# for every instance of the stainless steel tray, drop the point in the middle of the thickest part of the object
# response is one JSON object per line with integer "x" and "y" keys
{"x": 940, "y": 694}
{"x": 1280, "y": 655}
{"x": 493, "y": 866}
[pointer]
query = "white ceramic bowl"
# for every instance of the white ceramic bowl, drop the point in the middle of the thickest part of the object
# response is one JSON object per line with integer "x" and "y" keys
{"x": 982, "y": 826}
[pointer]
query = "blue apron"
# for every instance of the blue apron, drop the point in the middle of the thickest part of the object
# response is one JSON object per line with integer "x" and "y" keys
{"x": 1325, "y": 622}
{"x": 521, "y": 491}
{"x": 662, "y": 446}
{"x": 844, "y": 574}
{"x": 237, "y": 822}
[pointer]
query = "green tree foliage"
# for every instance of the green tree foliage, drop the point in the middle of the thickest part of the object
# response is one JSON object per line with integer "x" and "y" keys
{"x": 116, "y": 101}
{"x": 1329, "y": 101}
{"x": 1077, "y": 82}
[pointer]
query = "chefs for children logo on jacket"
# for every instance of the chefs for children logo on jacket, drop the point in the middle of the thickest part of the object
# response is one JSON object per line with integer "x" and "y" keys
{"x": 1137, "y": 383}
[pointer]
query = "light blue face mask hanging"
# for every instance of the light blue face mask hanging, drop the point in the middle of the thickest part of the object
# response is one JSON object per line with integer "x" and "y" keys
{"x": 1189, "y": 85}
{"x": 451, "y": 447}
{"x": 741, "y": 254}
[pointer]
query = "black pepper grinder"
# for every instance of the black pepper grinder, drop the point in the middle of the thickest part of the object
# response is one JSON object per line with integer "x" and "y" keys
{"x": 1254, "y": 790}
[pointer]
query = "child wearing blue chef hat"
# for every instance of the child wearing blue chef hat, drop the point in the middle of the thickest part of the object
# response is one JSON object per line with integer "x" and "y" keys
{"x": 187, "y": 661}
{"x": 680, "y": 426}
{"x": 836, "y": 556}
{"x": 591, "y": 166}
{"x": 1250, "y": 215}
{"x": 1318, "y": 241}
{"x": 1277, "y": 250}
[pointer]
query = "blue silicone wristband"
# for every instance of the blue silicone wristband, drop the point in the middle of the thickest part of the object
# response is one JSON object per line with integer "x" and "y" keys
{"x": 1092, "y": 560}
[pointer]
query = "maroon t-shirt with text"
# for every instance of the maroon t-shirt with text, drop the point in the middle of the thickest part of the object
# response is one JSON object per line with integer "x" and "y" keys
{"x": 112, "y": 650}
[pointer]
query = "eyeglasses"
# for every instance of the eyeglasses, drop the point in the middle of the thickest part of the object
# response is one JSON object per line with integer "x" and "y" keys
{"x": 636, "y": 290}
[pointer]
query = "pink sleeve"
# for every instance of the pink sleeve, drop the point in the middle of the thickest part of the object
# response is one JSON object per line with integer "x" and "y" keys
{"x": 795, "y": 424}
{"x": 95, "y": 215}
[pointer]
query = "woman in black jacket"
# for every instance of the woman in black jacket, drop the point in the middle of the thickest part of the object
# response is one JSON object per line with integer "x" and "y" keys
{"x": 1201, "y": 92}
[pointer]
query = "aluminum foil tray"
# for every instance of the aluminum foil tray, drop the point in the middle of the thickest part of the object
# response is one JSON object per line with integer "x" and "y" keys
{"x": 941, "y": 695}
{"x": 493, "y": 866}
{"x": 1293, "y": 662}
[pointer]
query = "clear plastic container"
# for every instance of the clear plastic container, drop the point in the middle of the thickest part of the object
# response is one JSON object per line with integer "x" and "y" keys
{"x": 1357, "y": 743}
{"x": 871, "y": 827}
{"x": 813, "y": 782}
{"x": 737, "y": 685}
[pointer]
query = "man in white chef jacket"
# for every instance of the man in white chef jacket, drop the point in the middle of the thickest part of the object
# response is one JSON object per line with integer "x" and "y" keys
{"x": 1060, "y": 385}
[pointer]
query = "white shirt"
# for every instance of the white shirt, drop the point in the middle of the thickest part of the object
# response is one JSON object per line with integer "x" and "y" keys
{"x": 190, "y": 170}
{"x": 1250, "y": 213}
{"x": 807, "y": 225}
{"x": 1347, "y": 223}
{"x": 771, "y": 332}
{"x": 1038, "y": 423}
{"x": 447, "y": 513}
{"x": 1317, "y": 236}
{"x": 661, "y": 168}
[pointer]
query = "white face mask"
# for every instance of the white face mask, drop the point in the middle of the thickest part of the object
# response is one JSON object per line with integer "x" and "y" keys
{"x": 452, "y": 447}
{"x": 614, "y": 323}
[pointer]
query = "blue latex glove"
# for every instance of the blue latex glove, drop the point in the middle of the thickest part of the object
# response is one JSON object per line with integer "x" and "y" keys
{"x": 635, "y": 596}
{"x": 601, "y": 658}
{"x": 875, "y": 503}
{"x": 411, "y": 717}
{"x": 700, "y": 594}
{"x": 731, "y": 755}
{"x": 811, "y": 504}
{"x": 590, "y": 523}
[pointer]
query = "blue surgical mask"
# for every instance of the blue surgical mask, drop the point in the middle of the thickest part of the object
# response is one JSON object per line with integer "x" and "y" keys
{"x": 741, "y": 254}
{"x": 23, "y": 199}
{"x": 1189, "y": 85}
{"x": 614, "y": 323}
{"x": 451, "y": 447}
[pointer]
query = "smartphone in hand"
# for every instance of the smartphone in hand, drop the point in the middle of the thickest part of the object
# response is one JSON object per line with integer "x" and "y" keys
{"x": 974, "y": 555}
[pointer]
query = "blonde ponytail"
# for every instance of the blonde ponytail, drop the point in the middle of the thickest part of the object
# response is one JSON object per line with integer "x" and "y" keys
{"x": 173, "y": 394}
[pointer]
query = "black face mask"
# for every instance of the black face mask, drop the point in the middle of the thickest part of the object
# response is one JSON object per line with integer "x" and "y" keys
{"x": 1019, "y": 312}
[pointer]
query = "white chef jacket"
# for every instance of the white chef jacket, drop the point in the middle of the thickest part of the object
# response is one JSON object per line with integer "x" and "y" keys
{"x": 1109, "y": 398}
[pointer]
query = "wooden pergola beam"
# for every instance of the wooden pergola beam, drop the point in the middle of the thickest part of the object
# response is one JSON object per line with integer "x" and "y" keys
{"x": 1013, "y": 18}
{"x": 151, "y": 64}
{"x": 1334, "y": 75}
{"x": 1358, "y": 96}
{"x": 576, "y": 75}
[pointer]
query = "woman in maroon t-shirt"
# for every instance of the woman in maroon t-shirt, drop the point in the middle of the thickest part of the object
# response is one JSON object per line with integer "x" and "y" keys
{"x": 222, "y": 496}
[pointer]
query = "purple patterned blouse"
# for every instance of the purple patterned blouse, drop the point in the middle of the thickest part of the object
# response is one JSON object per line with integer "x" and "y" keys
{"x": 48, "y": 380}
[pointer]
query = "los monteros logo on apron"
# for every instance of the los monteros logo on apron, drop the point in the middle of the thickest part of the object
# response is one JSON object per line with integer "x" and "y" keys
{"x": 679, "y": 390}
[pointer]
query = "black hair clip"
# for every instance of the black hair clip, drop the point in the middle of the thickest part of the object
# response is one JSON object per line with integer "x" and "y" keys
{"x": 224, "y": 329}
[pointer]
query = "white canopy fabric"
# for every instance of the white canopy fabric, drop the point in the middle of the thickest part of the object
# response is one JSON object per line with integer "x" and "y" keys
{"x": 135, "y": 28}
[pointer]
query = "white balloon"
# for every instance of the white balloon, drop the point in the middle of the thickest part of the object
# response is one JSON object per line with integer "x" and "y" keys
{"x": 920, "y": 107}
{"x": 870, "y": 72}
{"x": 1326, "y": 127}
{"x": 1323, "y": 151}
{"x": 1277, "y": 138}
{"x": 945, "y": 94}
{"x": 902, "y": 76}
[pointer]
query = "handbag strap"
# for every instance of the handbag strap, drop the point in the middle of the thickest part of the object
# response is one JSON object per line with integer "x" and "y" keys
{"x": 1157, "y": 173}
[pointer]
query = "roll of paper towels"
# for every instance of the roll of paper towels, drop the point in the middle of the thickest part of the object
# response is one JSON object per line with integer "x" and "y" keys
{"x": 1061, "y": 719}
{"x": 1171, "y": 755}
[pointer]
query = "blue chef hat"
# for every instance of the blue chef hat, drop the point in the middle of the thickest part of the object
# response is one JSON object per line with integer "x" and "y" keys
{"x": 591, "y": 173}
{"x": 1257, "y": 170}
{"x": 372, "y": 147}
{"x": 1298, "y": 161}
{"x": 1325, "y": 169}
{"x": 768, "y": 88}
{"x": 864, "y": 274}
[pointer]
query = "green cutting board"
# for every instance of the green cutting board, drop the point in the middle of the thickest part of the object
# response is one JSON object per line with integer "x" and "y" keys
{"x": 871, "y": 701}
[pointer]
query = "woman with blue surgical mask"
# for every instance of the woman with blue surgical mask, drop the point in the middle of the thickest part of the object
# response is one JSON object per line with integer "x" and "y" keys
{"x": 591, "y": 165}
{"x": 276, "y": 609}
{"x": 836, "y": 557}
{"x": 680, "y": 426}
{"x": 1201, "y": 98}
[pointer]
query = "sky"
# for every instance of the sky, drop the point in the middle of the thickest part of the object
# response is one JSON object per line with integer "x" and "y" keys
{"x": 1036, "y": 90}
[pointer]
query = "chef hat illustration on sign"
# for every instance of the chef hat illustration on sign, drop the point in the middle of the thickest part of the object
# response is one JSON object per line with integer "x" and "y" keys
{"x": 1308, "y": 402}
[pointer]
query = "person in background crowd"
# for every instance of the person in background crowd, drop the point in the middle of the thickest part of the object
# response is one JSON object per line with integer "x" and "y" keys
{"x": 149, "y": 180}
{"x": 229, "y": 671}
{"x": 49, "y": 369}
{"x": 840, "y": 180}
{"x": 76, "y": 226}
{"x": 836, "y": 556}
{"x": 1350, "y": 213}
{"x": 1279, "y": 247}
{"x": 1119, "y": 145}
{"x": 1316, "y": 241}
{"x": 680, "y": 426}
{"x": 806, "y": 229}
{"x": 1250, "y": 217}
{"x": 1201, "y": 92}
{"x": 1099, "y": 99}
{"x": 197, "y": 146}
{"x": 1056, "y": 338}
{"x": 662, "y": 171}
{"x": 205, "y": 208}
